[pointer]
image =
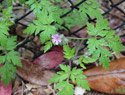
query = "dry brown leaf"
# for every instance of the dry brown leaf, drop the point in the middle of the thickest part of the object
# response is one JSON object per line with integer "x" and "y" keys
{"x": 111, "y": 81}
{"x": 34, "y": 73}
{"x": 30, "y": 86}
{"x": 19, "y": 91}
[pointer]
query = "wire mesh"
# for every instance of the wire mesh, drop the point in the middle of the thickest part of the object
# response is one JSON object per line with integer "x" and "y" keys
{"x": 112, "y": 6}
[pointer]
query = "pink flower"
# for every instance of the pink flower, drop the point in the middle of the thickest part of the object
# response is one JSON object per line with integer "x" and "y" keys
{"x": 56, "y": 39}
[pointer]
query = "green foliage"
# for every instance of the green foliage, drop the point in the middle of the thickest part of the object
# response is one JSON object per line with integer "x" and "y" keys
{"x": 48, "y": 22}
{"x": 96, "y": 45}
{"x": 74, "y": 18}
{"x": 69, "y": 53}
{"x": 42, "y": 24}
{"x": 9, "y": 57}
{"x": 47, "y": 46}
{"x": 45, "y": 17}
{"x": 5, "y": 23}
{"x": 90, "y": 8}
{"x": 7, "y": 72}
{"x": 80, "y": 62}
{"x": 77, "y": 75}
{"x": 8, "y": 3}
{"x": 62, "y": 80}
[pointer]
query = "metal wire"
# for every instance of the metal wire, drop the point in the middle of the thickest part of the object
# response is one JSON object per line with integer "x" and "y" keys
{"x": 112, "y": 6}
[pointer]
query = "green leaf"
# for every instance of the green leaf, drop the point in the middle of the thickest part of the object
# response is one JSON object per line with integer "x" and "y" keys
{"x": 81, "y": 64}
{"x": 65, "y": 68}
{"x": 92, "y": 44}
{"x": 110, "y": 34}
{"x": 29, "y": 2}
{"x": 30, "y": 29}
{"x": 43, "y": 24}
{"x": 36, "y": 7}
{"x": 67, "y": 90}
{"x": 7, "y": 72}
{"x": 22, "y": 1}
{"x": 83, "y": 83}
{"x": 77, "y": 75}
{"x": 3, "y": 29}
{"x": 11, "y": 43}
{"x": 104, "y": 61}
{"x": 61, "y": 84}
{"x": 9, "y": 2}
{"x": 61, "y": 75}
{"x": 47, "y": 46}
{"x": 2, "y": 59}
{"x": 7, "y": 13}
{"x": 69, "y": 53}
{"x": 115, "y": 44}
{"x": 90, "y": 8}
{"x": 88, "y": 60}
{"x": 44, "y": 36}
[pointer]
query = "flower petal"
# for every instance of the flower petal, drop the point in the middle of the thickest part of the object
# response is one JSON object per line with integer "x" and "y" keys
{"x": 56, "y": 36}
{"x": 53, "y": 40}
{"x": 56, "y": 39}
{"x": 53, "y": 36}
{"x": 57, "y": 42}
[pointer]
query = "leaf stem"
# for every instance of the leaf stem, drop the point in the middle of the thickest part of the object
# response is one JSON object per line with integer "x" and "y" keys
{"x": 70, "y": 69}
{"x": 77, "y": 38}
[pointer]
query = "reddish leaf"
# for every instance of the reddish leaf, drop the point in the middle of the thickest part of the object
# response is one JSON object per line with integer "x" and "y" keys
{"x": 123, "y": 40}
{"x": 34, "y": 73}
{"x": 50, "y": 59}
{"x": 5, "y": 90}
{"x": 60, "y": 48}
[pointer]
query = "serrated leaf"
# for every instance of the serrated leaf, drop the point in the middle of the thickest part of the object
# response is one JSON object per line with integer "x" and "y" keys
{"x": 11, "y": 43}
{"x": 47, "y": 46}
{"x": 104, "y": 61}
{"x": 115, "y": 44}
{"x": 103, "y": 33}
{"x": 61, "y": 85}
{"x": 57, "y": 78}
{"x": 92, "y": 43}
{"x": 65, "y": 68}
{"x": 84, "y": 84}
{"x": 80, "y": 62}
{"x": 44, "y": 36}
{"x": 2, "y": 59}
{"x": 29, "y": 2}
{"x": 7, "y": 13}
{"x": 3, "y": 29}
{"x": 7, "y": 73}
{"x": 30, "y": 29}
{"x": 36, "y": 7}
{"x": 88, "y": 60}
{"x": 110, "y": 34}
{"x": 69, "y": 53}
{"x": 67, "y": 90}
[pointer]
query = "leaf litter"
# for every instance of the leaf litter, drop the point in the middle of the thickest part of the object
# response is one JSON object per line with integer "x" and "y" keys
{"x": 34, "y": 77}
